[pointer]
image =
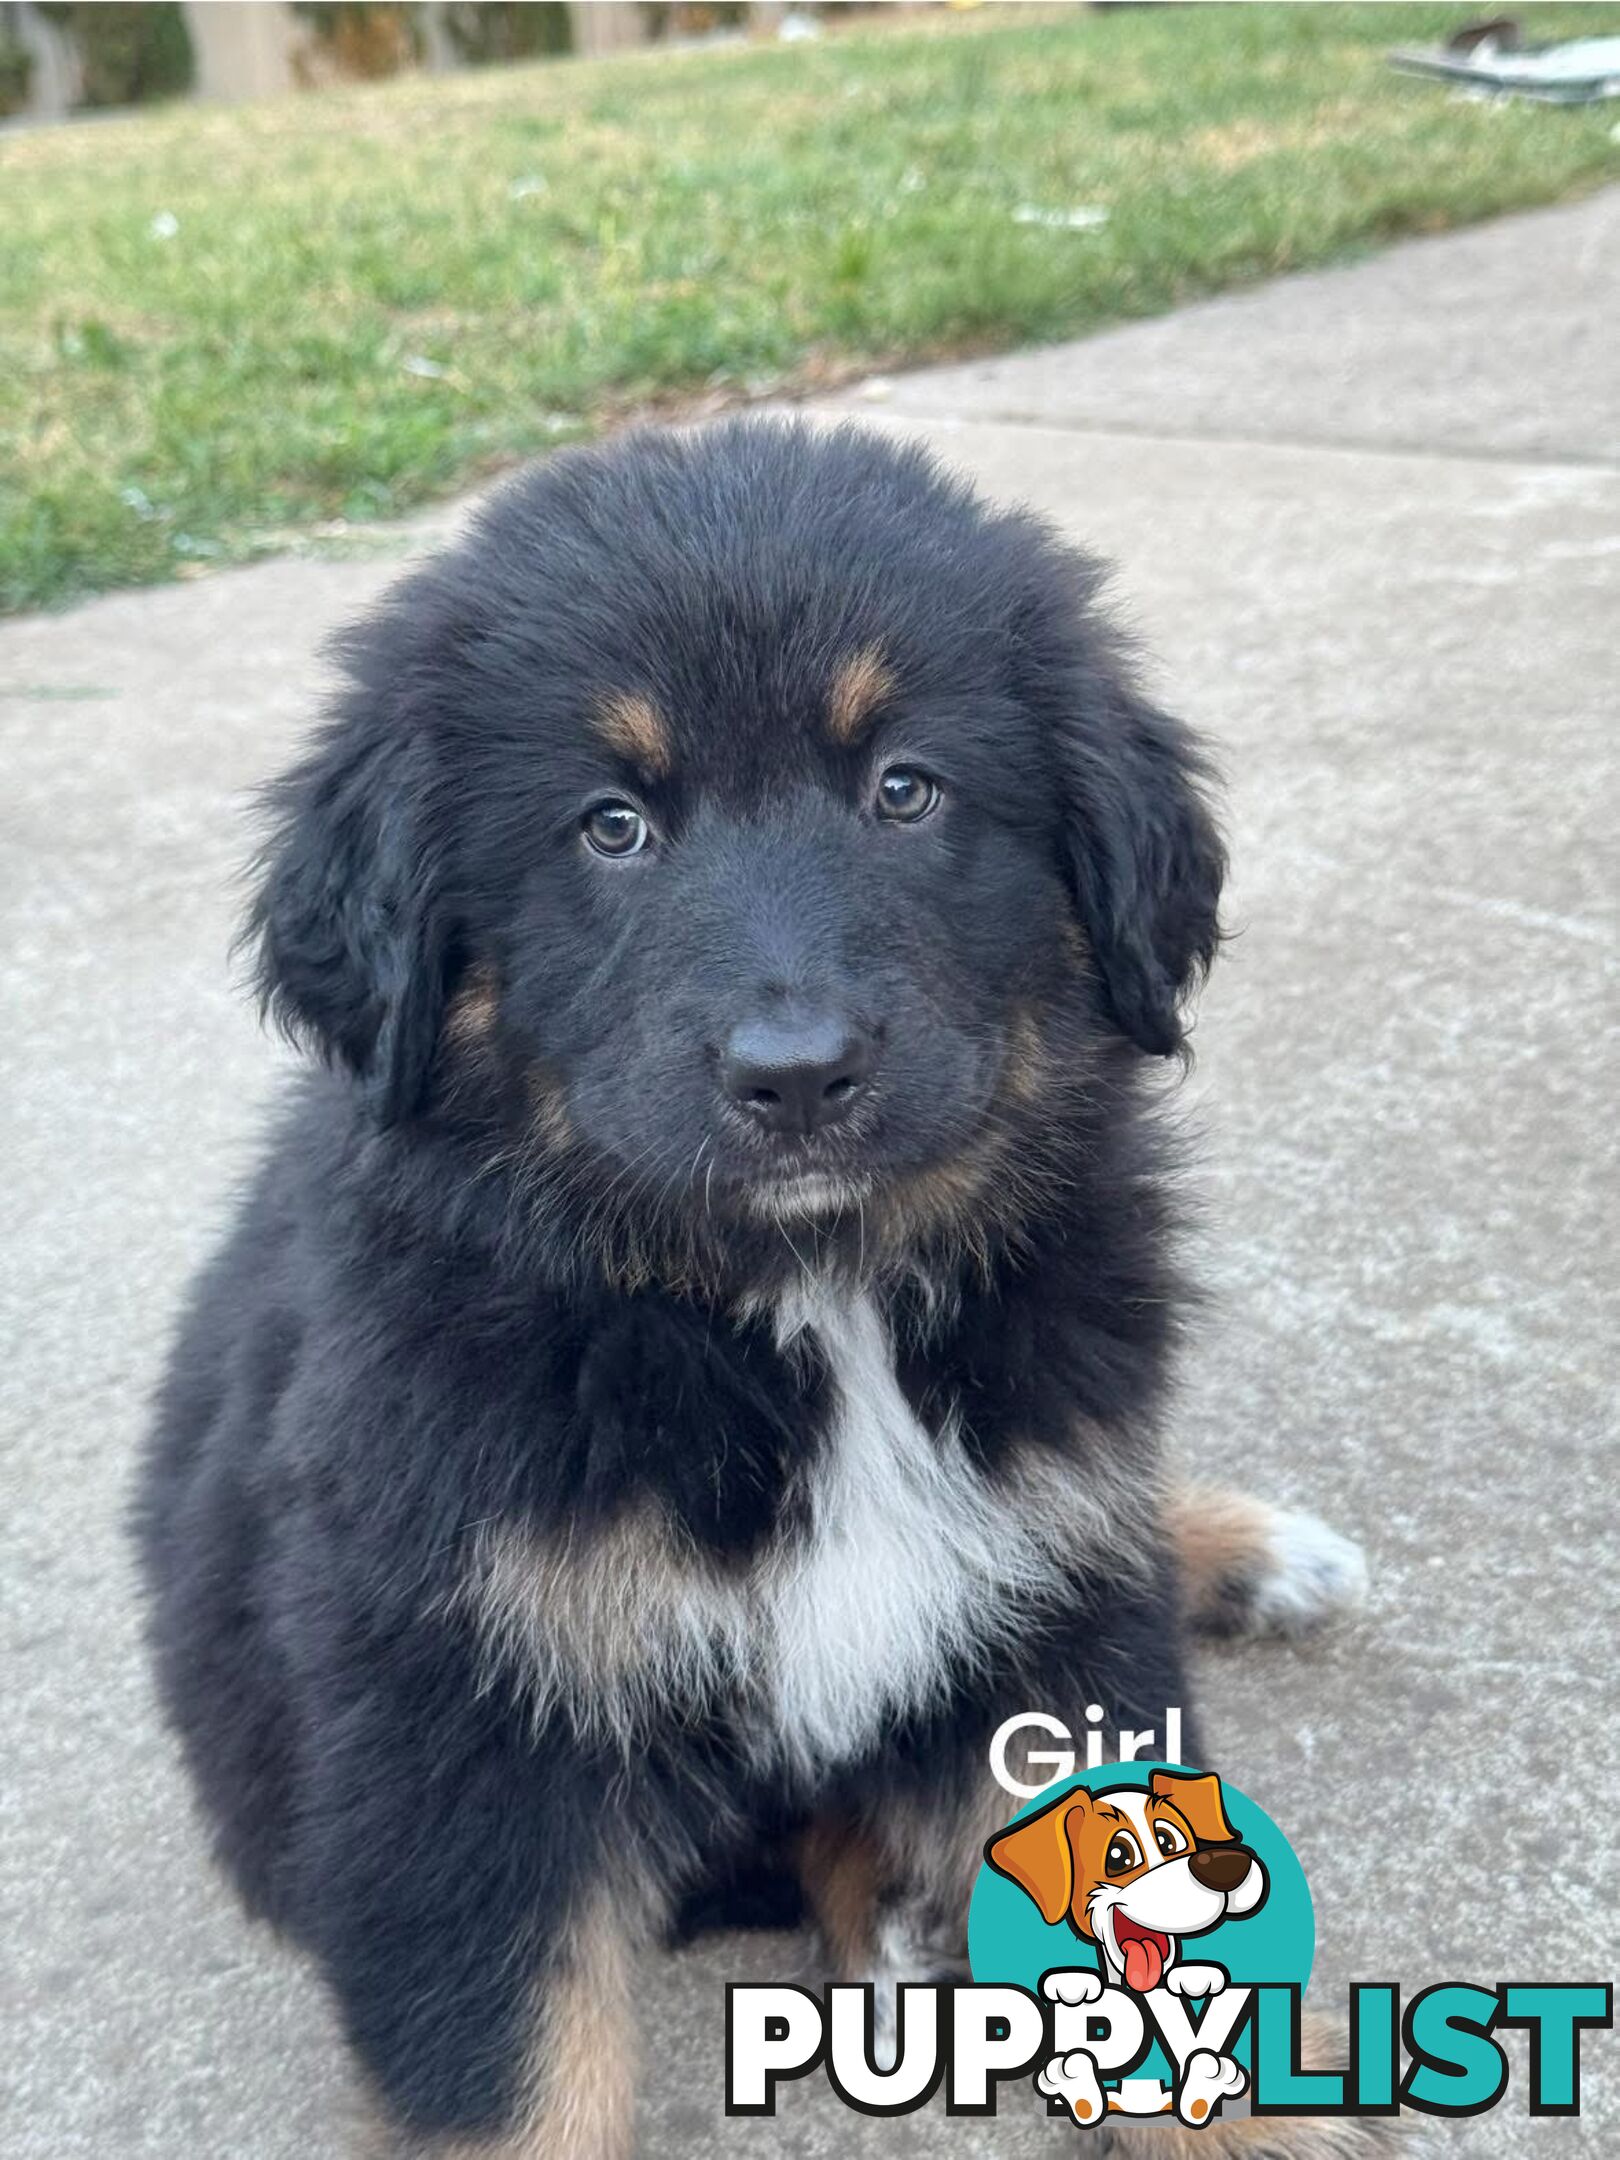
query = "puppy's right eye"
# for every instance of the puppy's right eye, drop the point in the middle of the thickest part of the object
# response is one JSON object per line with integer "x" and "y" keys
{"x": 1122, "y": 1855}
{"x": 615, "y": 829}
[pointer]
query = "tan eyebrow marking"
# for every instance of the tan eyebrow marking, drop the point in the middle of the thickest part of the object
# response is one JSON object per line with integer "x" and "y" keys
{"x": 861, "y": 684}
{"x": 629, "y": 722}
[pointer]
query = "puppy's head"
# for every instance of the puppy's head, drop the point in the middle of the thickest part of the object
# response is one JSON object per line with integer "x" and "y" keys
{"x": 1134, "y": 1870}
{"x": 767, "y": 826}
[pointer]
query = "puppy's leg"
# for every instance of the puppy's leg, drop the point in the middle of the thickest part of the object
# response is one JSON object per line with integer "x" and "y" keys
{"x": 1251, "y": 1569}
{"x": 844, "y": 1869}
{"x": 570, "y": 2090}
{"x": 556, "y": 2080}
{"x": 889, "y": 1869}
{"x": 865, "y": 1913}
{"x": 569, "y": 2081}
{"x": 574, "y": 2098}
{"x": 476, "y": 1892}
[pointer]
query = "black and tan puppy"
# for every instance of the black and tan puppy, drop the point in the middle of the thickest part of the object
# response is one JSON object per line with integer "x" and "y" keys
{"x": 690, "y": 1366}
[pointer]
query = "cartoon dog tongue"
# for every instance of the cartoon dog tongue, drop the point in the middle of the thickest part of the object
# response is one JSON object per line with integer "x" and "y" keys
{"x": 1144, "y": 1961}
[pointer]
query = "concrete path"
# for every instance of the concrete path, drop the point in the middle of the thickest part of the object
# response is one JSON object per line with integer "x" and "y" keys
{"x": 1370, "y": 523}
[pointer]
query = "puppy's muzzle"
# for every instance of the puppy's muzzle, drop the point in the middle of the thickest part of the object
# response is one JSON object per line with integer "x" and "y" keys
{"x": 1220, "y": 1867}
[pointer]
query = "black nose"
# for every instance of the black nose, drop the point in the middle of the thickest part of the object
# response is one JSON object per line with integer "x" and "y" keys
{"x": 796, "y": 1074}
{"x": 1219, "y": 1867}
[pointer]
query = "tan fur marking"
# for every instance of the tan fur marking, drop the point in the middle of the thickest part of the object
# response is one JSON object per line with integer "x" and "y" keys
{"x": 1220, "y": 1537}
{"x": 1078, "y": 947}
{"x": 575, "y": 1618}
{"x": 1023, "y": 1068}
{"x": 946, "y": 1187}
{"x": 579, "y": 2083}
{"x": 629, "y": 722}
{"x": 860, "y": 685}
{"x": 609, "y": 1628}
{"x": 942, "y": 1850}
{"x": 954, "y": 1203}
{"x": 582, "y": 2075}
{"x": 474, "y": 1009}
{"x": 841, "y": 1869}
{"x": 916, "y": 1864}
{"x": 550, "y": 1105}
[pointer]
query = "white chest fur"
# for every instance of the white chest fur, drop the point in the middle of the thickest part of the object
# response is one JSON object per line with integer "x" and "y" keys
{"x": 909, "y": 1559}
{"x": 911, "y": 1562}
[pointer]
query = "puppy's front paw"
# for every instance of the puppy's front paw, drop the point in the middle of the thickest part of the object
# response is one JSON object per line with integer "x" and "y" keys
{"x": 1251, "y": 1569}
{"x": 1195, "y": 1980}
{"x": 1073, "y": 2080}
{"x": 1311, "y": 1575}
{"x": 1208, "y": 2079}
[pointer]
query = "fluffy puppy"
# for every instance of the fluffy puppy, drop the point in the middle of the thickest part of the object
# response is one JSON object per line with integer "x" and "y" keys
{"x": 689, "y": 1364}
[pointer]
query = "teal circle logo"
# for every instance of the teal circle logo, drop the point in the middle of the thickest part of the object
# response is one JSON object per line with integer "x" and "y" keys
{"x": 1138, "y": 1885}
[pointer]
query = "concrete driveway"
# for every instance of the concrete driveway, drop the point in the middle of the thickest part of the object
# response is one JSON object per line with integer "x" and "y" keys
{"x": 1369, "y": 522}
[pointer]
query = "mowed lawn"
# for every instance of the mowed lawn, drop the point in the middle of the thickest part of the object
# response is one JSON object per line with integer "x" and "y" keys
{"x": 228, "y": 331}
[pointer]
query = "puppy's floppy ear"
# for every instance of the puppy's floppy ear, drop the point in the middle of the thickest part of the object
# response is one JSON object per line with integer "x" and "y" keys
{"x": 1199, "y": 1799}
{"x": 1145, "y": 857}
{"x": 1037, "y": 1855}
{"x": 348, "y": 921}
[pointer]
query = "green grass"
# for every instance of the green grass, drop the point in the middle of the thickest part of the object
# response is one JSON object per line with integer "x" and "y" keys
{"x": 221, "y": 331}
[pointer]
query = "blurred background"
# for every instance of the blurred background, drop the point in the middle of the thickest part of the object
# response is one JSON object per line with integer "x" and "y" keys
{"x": 268, "y": 272}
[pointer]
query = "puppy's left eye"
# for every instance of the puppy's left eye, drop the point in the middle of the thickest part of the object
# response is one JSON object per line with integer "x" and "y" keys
{"x": 1169, "y": 1840}
{"x": 1122, "y": 1855}
{"x": 615, "y": 829}
{"x": 905, "y": 795}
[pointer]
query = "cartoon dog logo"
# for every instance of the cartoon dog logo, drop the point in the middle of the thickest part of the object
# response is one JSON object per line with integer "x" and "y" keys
{"x": 1135, "y": 1871}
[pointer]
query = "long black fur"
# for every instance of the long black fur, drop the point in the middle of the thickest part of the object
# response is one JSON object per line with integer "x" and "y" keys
{"x": 432, "y": 1317}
